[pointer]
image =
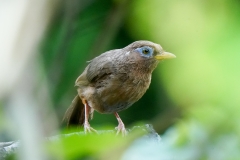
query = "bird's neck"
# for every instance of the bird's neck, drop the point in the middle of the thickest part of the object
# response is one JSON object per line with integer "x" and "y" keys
{"x": 145, "y": 67}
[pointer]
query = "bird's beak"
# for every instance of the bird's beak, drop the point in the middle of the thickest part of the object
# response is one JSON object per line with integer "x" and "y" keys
{"x": 164, "y": 55}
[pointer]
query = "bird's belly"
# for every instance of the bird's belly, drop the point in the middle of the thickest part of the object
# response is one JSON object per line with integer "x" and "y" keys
{"x": 117, "y": 96}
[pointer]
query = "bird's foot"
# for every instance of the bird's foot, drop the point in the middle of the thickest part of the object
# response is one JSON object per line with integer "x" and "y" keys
{"x": 121, "y": 129}
{"x": 89, "y": 129}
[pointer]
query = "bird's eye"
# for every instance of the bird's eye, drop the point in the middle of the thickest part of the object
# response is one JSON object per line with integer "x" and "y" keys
{"x": 145, "y": 51}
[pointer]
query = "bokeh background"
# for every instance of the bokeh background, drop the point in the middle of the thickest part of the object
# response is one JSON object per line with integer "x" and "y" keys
{"x": 193, "y": 100}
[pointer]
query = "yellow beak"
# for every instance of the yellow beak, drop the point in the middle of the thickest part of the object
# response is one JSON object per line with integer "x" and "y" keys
{"x": 164, "y": 55}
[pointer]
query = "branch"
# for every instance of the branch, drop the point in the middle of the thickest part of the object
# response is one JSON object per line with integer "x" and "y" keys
{"x": 8, "y": 148}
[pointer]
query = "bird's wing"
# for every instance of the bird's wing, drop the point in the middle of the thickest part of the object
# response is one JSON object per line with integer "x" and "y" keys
{"x": 99, "y": 67}
{"x": 102, "y": 65}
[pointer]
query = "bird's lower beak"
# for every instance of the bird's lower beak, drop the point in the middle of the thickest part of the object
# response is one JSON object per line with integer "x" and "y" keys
{"x": 164, "y": 55}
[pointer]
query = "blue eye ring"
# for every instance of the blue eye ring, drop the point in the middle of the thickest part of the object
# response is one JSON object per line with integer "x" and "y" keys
{"x": 145, "y": 51}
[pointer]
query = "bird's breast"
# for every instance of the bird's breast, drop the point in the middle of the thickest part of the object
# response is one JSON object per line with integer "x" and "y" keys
{"x": 121, "y": 90}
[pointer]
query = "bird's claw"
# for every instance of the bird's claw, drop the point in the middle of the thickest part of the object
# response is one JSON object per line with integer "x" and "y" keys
{"x": 89, "y": 129}
{"x": 122, "y": 130}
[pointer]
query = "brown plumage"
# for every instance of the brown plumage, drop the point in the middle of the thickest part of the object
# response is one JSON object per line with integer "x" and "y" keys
{"x": 114, "y": 81}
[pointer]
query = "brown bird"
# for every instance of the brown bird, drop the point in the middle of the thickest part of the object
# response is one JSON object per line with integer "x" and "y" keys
{"x": 114, "y": 81}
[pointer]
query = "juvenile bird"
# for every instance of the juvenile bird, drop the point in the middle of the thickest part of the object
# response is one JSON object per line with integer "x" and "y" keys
{"x": 113, "y": 81}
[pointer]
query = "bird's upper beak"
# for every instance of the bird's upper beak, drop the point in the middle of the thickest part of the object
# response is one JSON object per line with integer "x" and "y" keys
{"x": 164, "y": 55}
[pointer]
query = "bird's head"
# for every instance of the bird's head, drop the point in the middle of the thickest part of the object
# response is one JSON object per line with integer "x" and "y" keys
{"x": 150, "y": 50}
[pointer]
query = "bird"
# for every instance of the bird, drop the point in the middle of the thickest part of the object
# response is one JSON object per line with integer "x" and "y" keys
{"x": 114, "y": 81}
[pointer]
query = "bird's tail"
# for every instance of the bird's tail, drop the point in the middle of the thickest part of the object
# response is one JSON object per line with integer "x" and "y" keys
{"x": 75, "y": 113}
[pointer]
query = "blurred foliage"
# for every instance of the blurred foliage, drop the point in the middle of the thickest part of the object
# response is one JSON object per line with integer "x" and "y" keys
{"x": 92, "y": 146}
{"x": 193, "y": 101}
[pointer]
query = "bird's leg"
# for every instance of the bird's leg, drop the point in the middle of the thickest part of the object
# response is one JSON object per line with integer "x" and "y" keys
{"x": 121, "y": 127}
{"x": 86, "y": 125}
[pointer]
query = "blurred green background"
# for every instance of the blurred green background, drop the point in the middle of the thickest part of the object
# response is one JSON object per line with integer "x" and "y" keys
{"x": 78, "y": 34}
{"x": 83, "y": 30}
{"x": 193, "y": 100}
